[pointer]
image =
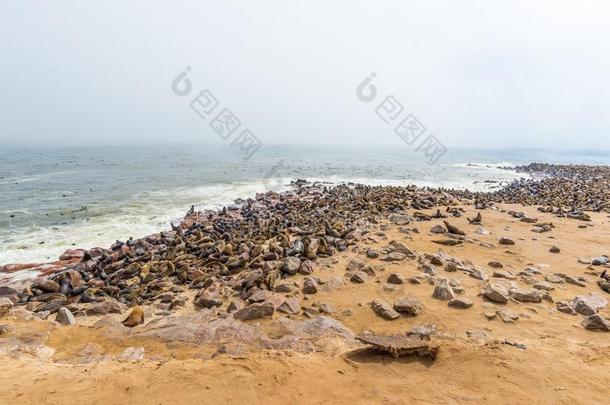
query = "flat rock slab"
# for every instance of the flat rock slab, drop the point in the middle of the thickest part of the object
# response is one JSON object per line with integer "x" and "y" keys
{"x": 398, "y": 345}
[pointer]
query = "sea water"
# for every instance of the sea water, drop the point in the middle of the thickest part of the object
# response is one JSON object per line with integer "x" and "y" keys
{"x": 53, "y": 199}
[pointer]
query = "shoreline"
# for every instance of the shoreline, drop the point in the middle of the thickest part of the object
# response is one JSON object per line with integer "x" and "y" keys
{"x": 292, "y": 286}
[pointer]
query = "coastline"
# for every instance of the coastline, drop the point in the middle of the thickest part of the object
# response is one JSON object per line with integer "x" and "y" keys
{"x": 539, "y": 244}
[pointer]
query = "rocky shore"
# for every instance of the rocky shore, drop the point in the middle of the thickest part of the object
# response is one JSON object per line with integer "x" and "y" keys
{"x": 352, "y": 274}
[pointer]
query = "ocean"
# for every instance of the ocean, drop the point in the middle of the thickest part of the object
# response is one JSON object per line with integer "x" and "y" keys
{"x": 53, "y": 199}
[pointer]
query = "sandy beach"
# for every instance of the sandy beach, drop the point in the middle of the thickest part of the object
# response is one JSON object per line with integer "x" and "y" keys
{"x": 514, "y": 314}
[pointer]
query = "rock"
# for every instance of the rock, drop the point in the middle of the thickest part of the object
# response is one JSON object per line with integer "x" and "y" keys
{"x": 396, "y": 278}
{"x": 509, "y": 342}
{"x": 135, "y": 317}
{"x": 132, "y": 354}
{"x": 438, "y": 230}
{"x": 326, "y": 308}
{"x": 10, "y": 293}
{"x": 410, "y": 306}
{"x": 232, "y": 307}
{"x": 4, "y": 329}
{"x": 596, "y": 322}
{"x": 527, "y": 295}
{"x": 506, "y": 241}
{"x": 291, "y": 265}
{"x": 554, "y": 249}
{"x": 461, "y": 303}
{"x": 504, "y": 274}
{"x": 284, "y": 288}
{"x": 400, "y": 345}
{"x": 554, "y": 278}
{"x": 574, "y": 281}
{"x": 359, "y": 277}
{"x": 104, "y": 308}
{"x": 254, "y": 311}
{"x": 307, "y": 267}
{"x": 495, "y": 265}
{"x": 384, "y": 310}
{"x": 422, "y": 331}
{"x": 394, "y": 257}
{"x": 355, "y": 265}
{"x": 496, "y": 293}
{"x": 290, "y": 306}
{"x": 565, "y": 307}
{"x": 588, "y": 304}
{"x": 310, "y": 286}
{"x": 443, "y": 291}
{"x": 207, "y": 299}
{"x": 507, "y": 315}
{"x": 65, "y": 317}
{"x": 544, "y": 286}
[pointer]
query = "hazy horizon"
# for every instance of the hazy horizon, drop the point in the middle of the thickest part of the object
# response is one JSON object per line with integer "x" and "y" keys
{"x": 476, "y": 74}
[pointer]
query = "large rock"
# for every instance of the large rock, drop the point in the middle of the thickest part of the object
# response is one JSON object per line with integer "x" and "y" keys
{"x": 596, "y": 322}
{"x": 496, "y": 293}
{"x": 527, "y": 294}
{"x": 396, "y": 278}
{"x": 461, "y": 303}
{"x": 291, "y": 265}
{"x": 384, "y": 310}
{"x": 410, "y": 306}
{"x": 307, "y": 267}
{"x": 588, "y": 304}
{"x": 310, "y": 286}
{"x": 443, "y": 291}
{"x": 104, "y": 308}
{"x": 65, "y": 317}
{"x": 255, "y": 311}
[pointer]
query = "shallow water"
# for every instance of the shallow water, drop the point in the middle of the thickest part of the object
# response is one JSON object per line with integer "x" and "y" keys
{"x": 52, "y": 199}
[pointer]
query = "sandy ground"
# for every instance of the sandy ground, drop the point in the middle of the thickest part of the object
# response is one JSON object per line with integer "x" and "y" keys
{"x": 563, "y": 362}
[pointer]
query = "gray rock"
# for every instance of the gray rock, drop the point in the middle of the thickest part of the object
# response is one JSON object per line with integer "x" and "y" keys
{"x": 496, "y": 293}
{"x": 596, "y": 322}
{"x": 600, "y": 261}
{"x": 394, "y": 257}
{"x": 289, "y": 306}
{"x": 326, "y": 308}
{"x": 461, "y": 303}
{"x": 504, "y": 274}
{"x": 354, "y": 265}
{"x": 310, "y": 286}
{"x": 65, "y": 317}
{"x": 543, "y": 285}
{"x": 307, "y": 267}
{"x": 384, "y": 310}
{"x": 554, "y": 278}
{"x": 507, "y": 315}
{"x": 574, "y": 281}
{"x": 410, "y": 306}
{"x": 443, "y": 291}
{"x": 254, "y": 311}
{"x": 588, "y": 304}
{"x": 359, "y": 277}
{"x": 527, "y": 295}
{"x": 291, "y": 265}
{"x": 396, "y": 278}
{"x": 104, "y": 308}
{"x": 566, "y": 308}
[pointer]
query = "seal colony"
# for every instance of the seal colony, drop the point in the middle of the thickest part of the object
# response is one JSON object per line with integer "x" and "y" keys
{"x": 342, "y": 269}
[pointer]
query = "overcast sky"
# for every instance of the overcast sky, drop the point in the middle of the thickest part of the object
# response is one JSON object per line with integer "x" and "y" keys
{"x": 475, "y": 73}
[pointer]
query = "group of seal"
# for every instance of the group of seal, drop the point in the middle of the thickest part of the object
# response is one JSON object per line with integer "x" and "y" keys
{"x": 244, "y": 250}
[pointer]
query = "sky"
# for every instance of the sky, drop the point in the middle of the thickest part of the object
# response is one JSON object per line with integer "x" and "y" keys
{"x": 485, "y": 74}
